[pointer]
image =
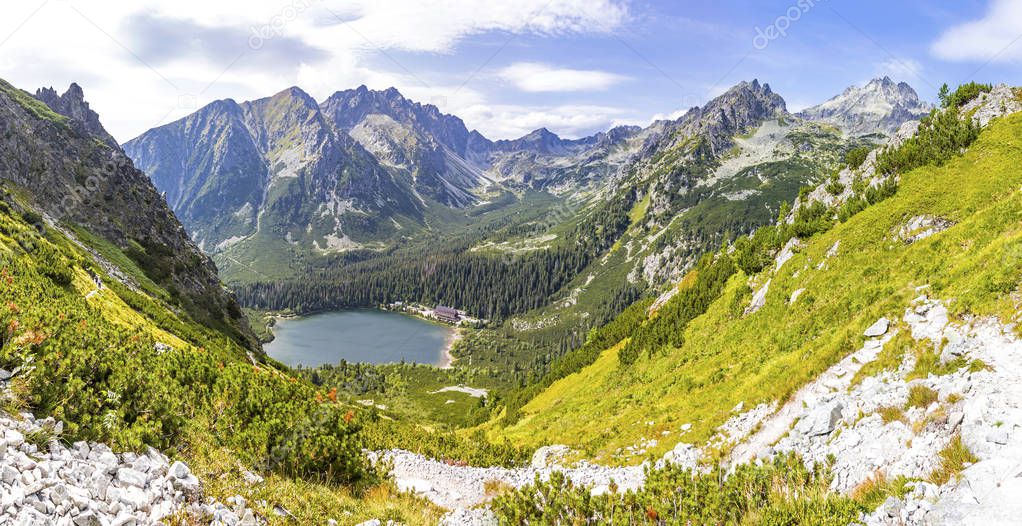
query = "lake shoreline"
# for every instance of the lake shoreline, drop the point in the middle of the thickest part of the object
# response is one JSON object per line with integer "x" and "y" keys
{"x": 447, "y": 359}
{"x": 443, "y": 358}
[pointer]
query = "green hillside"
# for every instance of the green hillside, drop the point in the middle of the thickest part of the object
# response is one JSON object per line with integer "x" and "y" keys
{"x": 724, "y": 356}
{"x": 117, "y": 365}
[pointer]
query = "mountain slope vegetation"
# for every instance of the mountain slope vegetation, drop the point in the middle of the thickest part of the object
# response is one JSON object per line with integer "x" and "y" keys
{"x": 772, "y": 327}
{"x": 91, "y": 337}
{"x": 68, "y": 168}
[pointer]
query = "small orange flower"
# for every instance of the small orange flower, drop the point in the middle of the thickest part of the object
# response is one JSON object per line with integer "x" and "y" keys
{"x": 332, "y": 394}
{"x": 349, "y": 416}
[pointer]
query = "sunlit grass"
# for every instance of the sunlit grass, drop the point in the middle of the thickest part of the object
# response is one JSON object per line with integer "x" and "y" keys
{"x": 767, "y": 356}
{"x": 953, "y": 459}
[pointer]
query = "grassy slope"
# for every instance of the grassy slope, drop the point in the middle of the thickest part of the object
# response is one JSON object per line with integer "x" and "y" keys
{"x": 728, "y": 358}
{"x": 60, "y": 324}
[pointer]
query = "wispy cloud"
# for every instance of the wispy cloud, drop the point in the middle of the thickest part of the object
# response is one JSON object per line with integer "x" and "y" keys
{"x": 997, "y": 37}
{"x": 438, "y": 25}
{"x": 901, "y": 69}
{"x": 151, "y": 56}
{"x": 570, "y": 121}
{"x": 161, "y": 40}
{"x": 538, "y": 77}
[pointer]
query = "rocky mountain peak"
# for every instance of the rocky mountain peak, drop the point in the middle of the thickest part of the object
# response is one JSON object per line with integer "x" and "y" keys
{"x": 742, "y": 107}
{"x": 72, "y": 105}
{"x": 393, "y": 94}
{"x": 540, "y": 140}
{"x": 880, "y": 106}
{"x": 296, "y": 94}
{"x": 754, "y": 93}
{"x": 347, "y": 108}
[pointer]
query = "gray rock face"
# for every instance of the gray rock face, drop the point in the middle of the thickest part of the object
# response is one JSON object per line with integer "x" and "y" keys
{"x": 820, "y": 420}
{"x": 879, "y": 328}
{"x": 758, "y": 300}
{"x": 1002, "y": 100}
{"x": 72, "y": 105}
{"x": 89, "y": 181}
{"x": 548, "y": 456}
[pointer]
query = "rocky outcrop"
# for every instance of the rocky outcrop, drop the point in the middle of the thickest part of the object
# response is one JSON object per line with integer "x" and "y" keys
{"x": 1001, "y": 100}
{"x": 42, "y": 481}
{"x": 456, "y": 487}
{"x": 72, "y": 105}
{"x": 877, "y": 329}
{"x": 836, "y": 418}
{"x": 758, "y": 300}
{"x": 922, "y": 227}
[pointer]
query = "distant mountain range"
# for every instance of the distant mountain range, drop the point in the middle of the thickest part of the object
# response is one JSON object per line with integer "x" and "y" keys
{"x": 366, "y": 168}
{"x": 881, "y": 106}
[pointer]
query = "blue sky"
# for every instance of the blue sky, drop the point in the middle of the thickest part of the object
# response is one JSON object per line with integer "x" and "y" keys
{"x": 574, "y": 66}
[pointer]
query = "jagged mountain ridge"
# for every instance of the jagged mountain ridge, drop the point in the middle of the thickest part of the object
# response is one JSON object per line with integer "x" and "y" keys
{"x": 376, "y": 163}
{"x": 431, "y": 147}
{"x": 361, "y": 167}
{"x": 75, "y": 174}
{"x": 881, "y": 106}
{"x": 275, "y": 166}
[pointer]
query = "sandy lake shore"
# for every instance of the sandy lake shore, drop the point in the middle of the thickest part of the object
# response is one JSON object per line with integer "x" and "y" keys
{"x": 447, "y": 360}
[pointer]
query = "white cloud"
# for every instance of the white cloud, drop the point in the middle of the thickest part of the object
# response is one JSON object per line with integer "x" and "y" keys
{"x": 537, "y": 77}
{"x": 437, "y": 25}
{"x": 995, "y": 37}
{"x": 901, "y": 69}
{"x": 674, "y": 115}
{"x": 320, "y": 45}
{"x": 568, "y": 121}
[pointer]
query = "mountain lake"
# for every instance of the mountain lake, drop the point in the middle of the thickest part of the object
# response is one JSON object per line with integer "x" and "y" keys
{"x": 367, "y": 336}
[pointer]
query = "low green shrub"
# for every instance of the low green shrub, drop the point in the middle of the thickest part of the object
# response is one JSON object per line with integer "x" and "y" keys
{"x": 953, "y": 459}
{"x": 780, "y": 492}
{"x": 921, "y": 396}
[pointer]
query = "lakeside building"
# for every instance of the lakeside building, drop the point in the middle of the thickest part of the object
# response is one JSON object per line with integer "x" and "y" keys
{"x": 446, "y": 314}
